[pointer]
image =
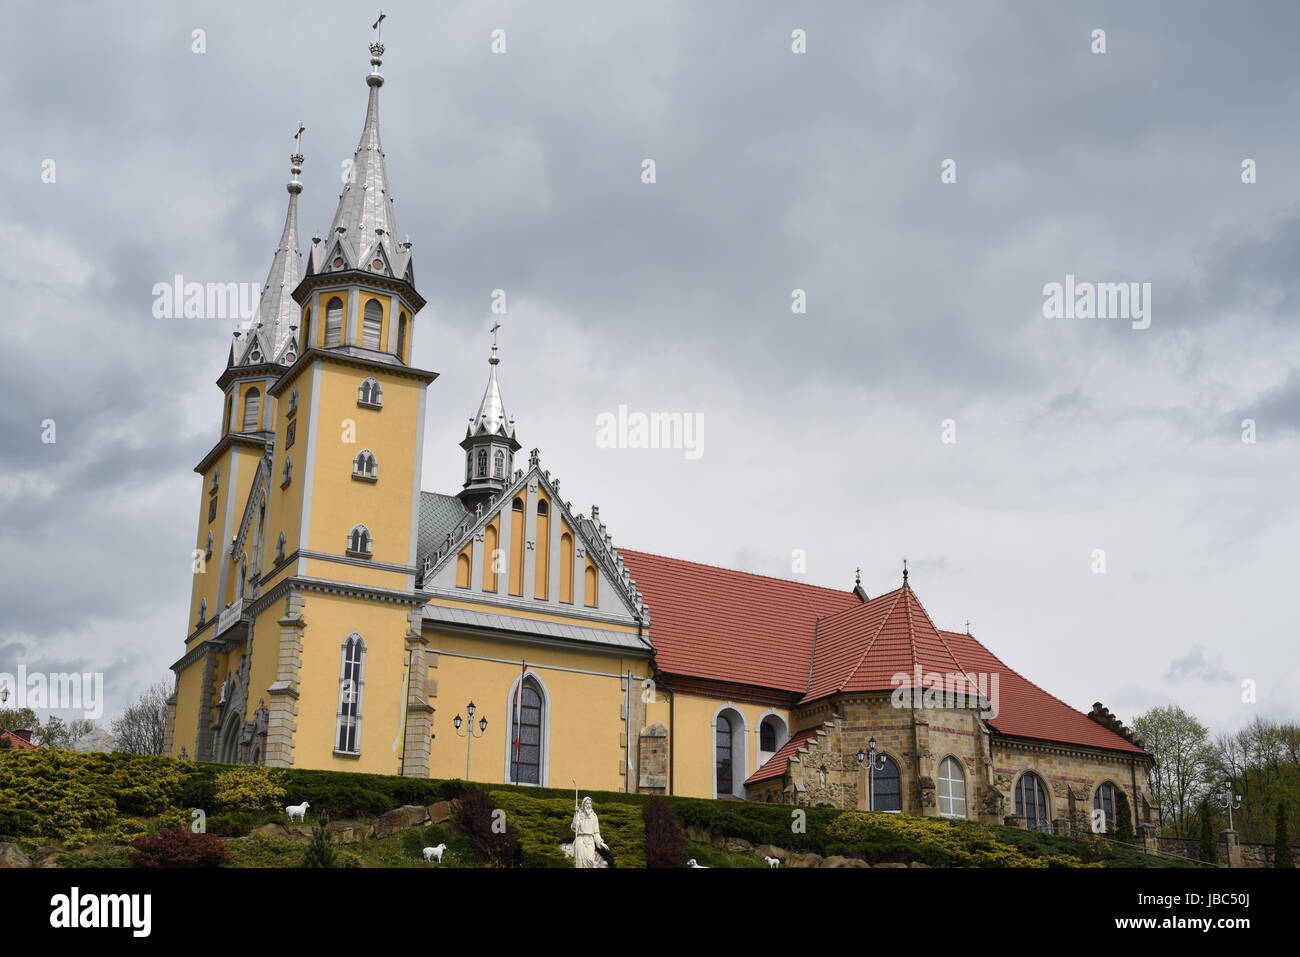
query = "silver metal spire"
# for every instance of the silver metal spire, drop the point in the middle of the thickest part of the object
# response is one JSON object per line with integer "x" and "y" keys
{"x": 491, "y": 417}
{"x": 363, "y": 234}
{"x": 270, "y": 338}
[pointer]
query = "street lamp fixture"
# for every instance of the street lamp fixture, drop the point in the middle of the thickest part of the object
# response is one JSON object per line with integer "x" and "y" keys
{"x": 1225, "y": 798}
{"x": 873, "y": 763}
{"x": 468, "y": 734}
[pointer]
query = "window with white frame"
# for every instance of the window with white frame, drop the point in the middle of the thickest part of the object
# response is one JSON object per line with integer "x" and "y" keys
{"x": 252, "y": 405}
{"x": 287, "y": 477}
{"x": 372, "y": 324}
{"x": 526, "y": 723}
{"x": 1031, "y": 802}
{"x": 370, "y": 394}
{"x": 359, "y": 542}
{"x": 364, "y": 465}
{"x": 952, "y": 788}
{"x": 351, "y": 681}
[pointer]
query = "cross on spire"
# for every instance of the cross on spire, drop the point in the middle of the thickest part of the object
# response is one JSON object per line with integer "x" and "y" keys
{"x": 377, "y": 26}
{"x": 297, "y": 138}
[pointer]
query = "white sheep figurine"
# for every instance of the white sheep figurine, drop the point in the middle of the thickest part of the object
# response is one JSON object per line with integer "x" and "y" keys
{"x": 434, "y": 853}
{"x": 772, "y": 861}
{"x": 699, "y": 867}
{"x": 297, "y": 810}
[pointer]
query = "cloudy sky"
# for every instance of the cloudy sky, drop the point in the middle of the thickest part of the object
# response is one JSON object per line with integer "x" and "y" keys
{"x": 776, "y": 171}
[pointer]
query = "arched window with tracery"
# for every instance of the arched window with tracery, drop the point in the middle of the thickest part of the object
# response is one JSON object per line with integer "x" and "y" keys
{"x": 359, "y": 541}
{"x": 952, "y": 788}
{"x": 351, "y": 682}
{"x": 1031, "y": 802}
{"x": 887, "y": 787}
{"x": 527, "y": 726}
{"x": 1103, "y": 799}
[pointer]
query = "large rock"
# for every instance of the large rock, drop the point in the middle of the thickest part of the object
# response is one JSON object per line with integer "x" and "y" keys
{"x": 771, "y": 850}
{"x": 918, "y": 864}
{"x": 345, "y": 833}
{"x": 738, "y": 845}
{"x": 697, "y": 834}
{"x": 439, "y": 813}
{"x": 837, "y": 861}
{"x": 889, "y": 864}
{"x": 11, "y": 856}
{"x": 803, "y": 860}
{"x": 47, "y": 856}
{"x": 271, "y": 830}
{"x": 398, "y": 819}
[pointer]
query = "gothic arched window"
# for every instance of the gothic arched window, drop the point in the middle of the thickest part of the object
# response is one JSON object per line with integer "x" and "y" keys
{"x": 279, "y": 549}
{"x": 333, "y": 322}
{"x": 1103, "y": 799}
{"x": 480, "y": 470}
{"x": 401, "y": 337}
{"x": 359, "y": 541}
{"x": 364, "y": 465}
{"x": 351, "y": 681}
{"x": 886, "y": 787}
{"x": 252, "y": 404}
{"x": 498, "y": 464}
{"x": 722, "y": 754}
{"x": 527, "y": 717}
{"x": 288, "y": 472}
{"x": 203, "y": 611}
{"x": 372, "y": 325}
{"x": 1031, "y": 802}
{"x": 952, "y": 788}
{"x": 370, "y": 394}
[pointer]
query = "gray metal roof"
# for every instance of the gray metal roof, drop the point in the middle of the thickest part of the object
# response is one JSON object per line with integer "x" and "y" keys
{"x": 530, "y": 626}
{"x": 439, "y": 514}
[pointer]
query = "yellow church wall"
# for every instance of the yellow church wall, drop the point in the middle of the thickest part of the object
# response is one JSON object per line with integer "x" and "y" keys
{"x": 187, "y": 704}
{"x": 355, "y": 573}
{"x": 266, "y": 655}
{"x": 285, "y": 513}
{"x": 693, "y": 740}
{"x": 330, "y": 620}
{"x": 238, "y": 467}
{"x": 338, "y": 501}
{"x": 586, "y": 728}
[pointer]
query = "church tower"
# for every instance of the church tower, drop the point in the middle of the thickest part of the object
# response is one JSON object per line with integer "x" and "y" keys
{"x": 326, "y": 415}
{"x": 490, "y": 444}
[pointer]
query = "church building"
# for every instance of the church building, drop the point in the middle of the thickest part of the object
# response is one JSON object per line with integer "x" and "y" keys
{"x": 342, "y": 617}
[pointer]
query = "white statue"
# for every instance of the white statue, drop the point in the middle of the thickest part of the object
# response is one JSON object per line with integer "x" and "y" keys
{"x": 586, "y": 836}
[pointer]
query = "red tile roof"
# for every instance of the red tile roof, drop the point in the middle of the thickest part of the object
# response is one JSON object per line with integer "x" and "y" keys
{"x": 775, "y": 766}
{"x": 730, "y": 626}
{"x": 16, "y": 741}
{"x": 726, "y": 625}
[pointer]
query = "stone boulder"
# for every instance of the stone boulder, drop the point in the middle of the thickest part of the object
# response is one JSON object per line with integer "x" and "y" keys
{"x": 399, "y": 819}
{"x": 737, "y": 845}
{"x": 837, "y": 861}
{"x": 918, "y": 864}
{"x": 12, "y": 856}
{"x": 345, "y": 833}
{"x": 803, "y": 860}
{"x": 440, "y": 813}
{"x": 889, "y": 864}
{"x": 771, "y": 850}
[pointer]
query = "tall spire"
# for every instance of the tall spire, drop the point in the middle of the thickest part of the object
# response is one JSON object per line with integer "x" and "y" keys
{"x": 270, "y": 338}
{"x": 363, "y": 234}
{"x": 490, "y": 444}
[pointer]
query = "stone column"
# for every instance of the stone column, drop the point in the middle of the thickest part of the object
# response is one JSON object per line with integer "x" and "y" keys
{"x": 1149, "y": 838}
{"x": 203, "y": 733}
{"x": 419, "y": 713}
{"x": 170, "y": 728}
{"x": 1014, "y": 820}
{"x": 652, "y": 760}
{"x": 283, "y": 693}
{"x": 1233, "y": 847}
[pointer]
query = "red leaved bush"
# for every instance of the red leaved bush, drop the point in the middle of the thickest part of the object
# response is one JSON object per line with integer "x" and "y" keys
{"x": 664, "y": 844}
{"x": 179, "y": 847}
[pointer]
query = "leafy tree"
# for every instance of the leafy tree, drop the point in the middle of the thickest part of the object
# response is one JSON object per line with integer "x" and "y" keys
{"x": 1283, "y": 855}
{"x": 15, "y": 719}
{"x": 1185, "y": 762}
{"x": 142, "y": 728}
{"x": 1209, "y": 850}
{"x": 1123, "y": 818}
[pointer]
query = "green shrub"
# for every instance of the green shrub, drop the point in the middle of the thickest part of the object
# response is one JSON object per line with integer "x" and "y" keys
{"x": 1283, "y": 853}
{"x": 239, "y": 823}
{"x": 262, "y": 850}
{"x": 1123, "y": 818}
{"x": 320, "y": 852}
{"x": 544, "y": 823}
{"x": 97, "y": 858}
{"x": 249, "y": 788}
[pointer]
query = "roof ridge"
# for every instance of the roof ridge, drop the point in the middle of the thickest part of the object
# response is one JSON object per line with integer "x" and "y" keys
{"x": 737, "y": 571}
{"x": 946, "y": 647}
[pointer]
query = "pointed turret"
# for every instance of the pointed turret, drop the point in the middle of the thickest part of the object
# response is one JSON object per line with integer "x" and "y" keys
{"x": 490, "y": 444}
{"x": 270, "y": 337}
{"x": 363, "y": 234}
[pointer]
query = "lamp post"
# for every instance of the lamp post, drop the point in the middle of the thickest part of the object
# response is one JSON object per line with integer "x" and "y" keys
{"x": 468, "y": 733}
{"x": 873, "y": 764}
{"x": 1226, "y": 799}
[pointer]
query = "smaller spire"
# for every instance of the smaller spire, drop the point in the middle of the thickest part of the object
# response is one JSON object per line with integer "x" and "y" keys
{"x": 904, "y": 572}
{"x": 857, "y": 575}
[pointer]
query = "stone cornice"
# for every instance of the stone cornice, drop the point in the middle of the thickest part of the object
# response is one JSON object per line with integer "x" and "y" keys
{"x": 227, "y": 440}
